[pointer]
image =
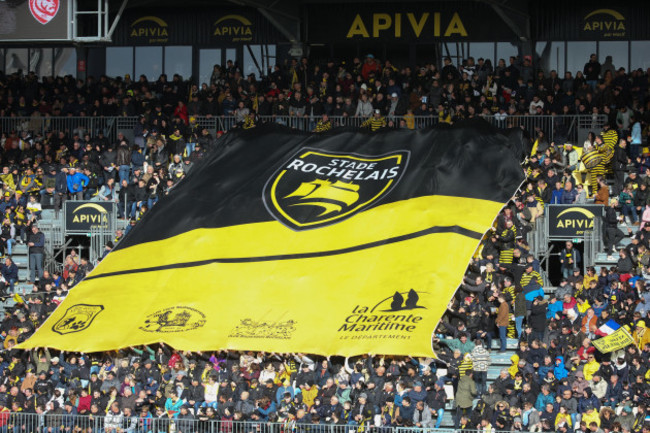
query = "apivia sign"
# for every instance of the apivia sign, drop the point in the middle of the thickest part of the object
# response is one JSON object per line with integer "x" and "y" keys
{"x": 191, "y": 26}
{"x": 83, "y": 216}
{"x": 569, "y": 222}
{"x": 411, "y": 21}
{"x": 604, "y": 24}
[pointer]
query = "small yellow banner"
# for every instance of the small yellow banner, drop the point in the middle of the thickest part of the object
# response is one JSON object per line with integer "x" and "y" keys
{"x": 614, "y": 341}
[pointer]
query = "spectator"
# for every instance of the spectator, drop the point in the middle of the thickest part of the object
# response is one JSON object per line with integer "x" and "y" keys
{"x": 36, "y": 243}
{"x": 61, "y": 188}
{"x": 570, "y": 259}
{"x": 123, "y": 161}
{"x": 592, "y": 71}
{"x": 75, "y": 183}
{"x": 465, "y": 396}
{"x": 619, "y": 165}
{"x": 555, "y": 350}
{"x": 108, "y": 192}
{"x": 481, "y": 362}
{"x": 626, "y": 201}
{"x": 503, "y": 317}
{"x": 437, "y": 401}
{"x": 602, "y": 196}
{"x": 7, "y": 236}
{"x": 569, "y": 194}
{"x": 9, "y": 272}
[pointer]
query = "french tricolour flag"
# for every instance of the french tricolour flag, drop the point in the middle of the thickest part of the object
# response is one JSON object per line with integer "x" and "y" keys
{"x": 609, "y": 327}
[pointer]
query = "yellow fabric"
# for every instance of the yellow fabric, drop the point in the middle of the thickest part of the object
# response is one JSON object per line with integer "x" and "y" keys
{"x": 588, "y": 279}
{"x": 581, "y": 170}
{"x": 309, "y": 395}
{"x": 617, "y": 340}
{"x": 280, "y": 378}
{"x": 514, "y": 367}
{"x": 355, "y": 290}
{"x": 410, "y": 121}
{"x": 591, "y": 417}
{"x": 590, "y": 369}
{"x": 641, "y": 338}
{"x": 582, "y": 308}
{"x": 465, "y": 365}
{"x": 563, "y": 417}
{"x": 533, "y": 151}
{"x": 8, "y": 181}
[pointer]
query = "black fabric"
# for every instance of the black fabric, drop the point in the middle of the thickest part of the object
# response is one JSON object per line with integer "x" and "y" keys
{"x": 469, "y": 159}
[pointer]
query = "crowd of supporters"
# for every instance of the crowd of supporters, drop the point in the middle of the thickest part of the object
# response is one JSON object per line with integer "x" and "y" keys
{"x": 351, "y": 89}
{"x": 558, "y": 381}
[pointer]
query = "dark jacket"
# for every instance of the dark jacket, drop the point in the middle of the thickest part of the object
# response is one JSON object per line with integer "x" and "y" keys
{"x": 137, "y": 158}
{"x": 38, "y": 239}
{"x": 140, "y": 194}
{"x": 437, "y": 399}
{"x": 49, "y": 181}
{"x": 619, "y": 162}
{"x": 206, "y": 141}
{"x": 125, "y": 194}
{"x": 123, "y": 155}
{"x": 611, "y": 219}
{"x": 520, "y": 305}
{"x": 61, "y": 183}
{"x": 108, "y": 158}
{"x": 159, "y": 157}
{"x": 537, "y": 319}
{"x": 10, "y": 272}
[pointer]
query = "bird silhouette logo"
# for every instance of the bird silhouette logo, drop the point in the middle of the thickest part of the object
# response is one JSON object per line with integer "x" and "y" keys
{"x": 399, "y": 303}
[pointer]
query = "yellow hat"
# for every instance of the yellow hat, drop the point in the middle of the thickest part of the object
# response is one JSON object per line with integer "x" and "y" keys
{"x": 7, "y": 194}
{"x": 640, "y": 324}
{"x": 19, "y": 192}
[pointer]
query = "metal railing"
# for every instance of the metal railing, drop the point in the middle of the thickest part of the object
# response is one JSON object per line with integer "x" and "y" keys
{"x": 72, "y": 125}
{"x": 54, "y": 240}
{"x": 573, "y": 128}
{"x": 15, "y": 422}
{"x": 537, "y": 239}
{"x": 99, "y": 237}
{"x": 593, "y": 243}
{"x": 53, "y": 226}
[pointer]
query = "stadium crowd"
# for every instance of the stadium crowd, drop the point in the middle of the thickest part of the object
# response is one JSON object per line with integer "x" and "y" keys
{"x": 558, "y": 381}
{"x": 355, "y": 89}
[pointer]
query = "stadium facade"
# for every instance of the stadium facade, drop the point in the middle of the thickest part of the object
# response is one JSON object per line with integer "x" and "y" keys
{"x": 152, "y": 38}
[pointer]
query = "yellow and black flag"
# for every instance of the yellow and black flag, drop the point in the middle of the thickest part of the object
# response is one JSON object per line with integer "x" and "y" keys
{"x": 337, "y": 243}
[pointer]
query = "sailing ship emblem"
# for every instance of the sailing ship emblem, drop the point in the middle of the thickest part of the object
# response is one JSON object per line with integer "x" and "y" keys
{"x": 332, "y": 197}
{"x": 315, "y": 188}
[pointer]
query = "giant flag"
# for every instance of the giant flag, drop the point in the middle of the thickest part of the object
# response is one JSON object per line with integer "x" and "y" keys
{"x": 343, "y": 243}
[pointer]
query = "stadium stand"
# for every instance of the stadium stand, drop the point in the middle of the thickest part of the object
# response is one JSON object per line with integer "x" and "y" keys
{"x": 515, "y": 354}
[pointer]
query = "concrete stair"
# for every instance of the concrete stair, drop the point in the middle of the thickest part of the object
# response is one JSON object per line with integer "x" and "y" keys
{"x": 601, "y": 256}
{"x": 601, "y": 259}
{"x": 20, "y": 256}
